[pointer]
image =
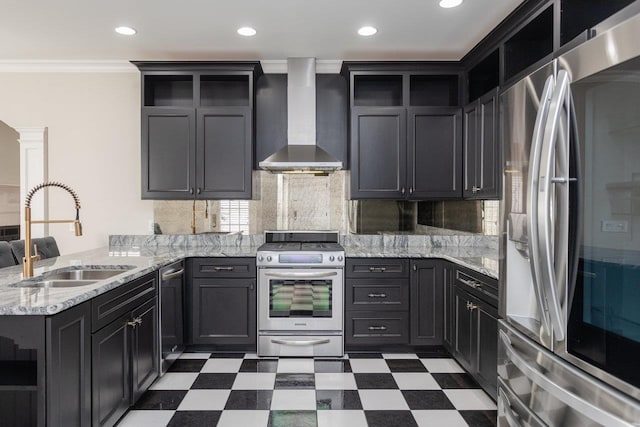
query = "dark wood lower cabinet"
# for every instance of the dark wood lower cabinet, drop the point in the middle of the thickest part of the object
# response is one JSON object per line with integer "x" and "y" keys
{"x": 374, "y": 328}
{"x": 224, "y": 312}
{"x": 69, "y": 367}
{"x": 144, "y": 348}
{"x": 476, "y": 338}
{"x": 111, "y": 364}
{"x": 426, "y": 302}
{"x": 448, "y": 305}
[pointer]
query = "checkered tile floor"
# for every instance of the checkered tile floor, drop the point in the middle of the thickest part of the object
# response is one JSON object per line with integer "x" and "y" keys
{"x": 233, "y": 390}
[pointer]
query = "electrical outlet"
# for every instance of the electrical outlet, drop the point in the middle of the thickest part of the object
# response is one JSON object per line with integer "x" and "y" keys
{"x": 150, "y": 228}
{"x": 610, "y": 226}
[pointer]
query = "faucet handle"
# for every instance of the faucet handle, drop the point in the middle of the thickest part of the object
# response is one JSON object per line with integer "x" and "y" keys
{"x": 36, "y": 255}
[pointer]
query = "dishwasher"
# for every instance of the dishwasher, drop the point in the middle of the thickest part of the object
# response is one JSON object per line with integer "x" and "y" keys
{"x": 171, "y": 314}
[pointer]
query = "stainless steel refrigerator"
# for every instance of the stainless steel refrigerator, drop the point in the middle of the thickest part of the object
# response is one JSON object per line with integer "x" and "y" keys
{"x": 569, "y": 341}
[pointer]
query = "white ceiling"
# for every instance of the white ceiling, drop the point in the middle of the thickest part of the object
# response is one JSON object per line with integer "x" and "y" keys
{"x": 206, "y": 29}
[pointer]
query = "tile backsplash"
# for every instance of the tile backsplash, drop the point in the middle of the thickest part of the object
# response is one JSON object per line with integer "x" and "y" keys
{"x": 307, "y": 202}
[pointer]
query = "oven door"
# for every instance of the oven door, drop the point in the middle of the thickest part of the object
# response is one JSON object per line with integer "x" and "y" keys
{"x": 297, "y": 299}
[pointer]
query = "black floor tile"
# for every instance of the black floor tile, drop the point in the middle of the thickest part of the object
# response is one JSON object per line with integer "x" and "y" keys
{"x": 365, "y": 355}
{"x": 293, "y": 418}
{"x": 455, "y": 380}
{"x": 370, "y": 381}
{"x": 427, "y": 399}
{"x": 405, "y": 365}
{"x": 249, "y": 399}
{"x": 227, "y": 355}
{"x": 480, "y": 418}
{"x": 161, "y": 399}
{"x": 187, "y": 365}
{"x": 194, "y": 418}
{"x": 255, "y": 365}
{"x": 338, "y": 399}
{"x": 433, "y": 353}
{"x": 332, "y": 366}
{"x": 295, "y": 381}
{"x": 214, "y": 381}
{"x": 390, "y": 418}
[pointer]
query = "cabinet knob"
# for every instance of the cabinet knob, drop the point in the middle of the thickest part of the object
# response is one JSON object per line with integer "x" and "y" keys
{"x": 199, "y": 190}
{"x": 402, "y": 190}
{"x": 415, "y": 267}
{"x": 410, "y": 190}
{"x": 191, "y": 190}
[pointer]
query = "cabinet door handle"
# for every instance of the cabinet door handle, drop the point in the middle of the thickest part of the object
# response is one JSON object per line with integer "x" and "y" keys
{"x": 475, "y": 189}
{"x": 380, "y": 295}
{"x": 199, "y": 190}
{"x": 402, "y": 190}
{"x": 471, "y": 306}
{"x": 472, "y": 283}
{"x": 138, "y": 320}
{"x": 410, "y": 190}
{"x": 377, "y": 328}
{"x": 132, "y": 323}
{"x": 415, "y": 267}
{"x": 191, "y": 190}
{"x": 377, "y": 269}
{"x": 171, "y": 274}
{"x": 222, "y": 268}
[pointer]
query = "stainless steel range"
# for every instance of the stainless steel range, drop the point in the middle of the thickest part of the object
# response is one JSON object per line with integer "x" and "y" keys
{"x": 300, "y": 294}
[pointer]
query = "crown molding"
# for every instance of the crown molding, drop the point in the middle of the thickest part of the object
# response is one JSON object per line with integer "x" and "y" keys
{"x": 279, "y": 66}
{"x": 66, "y": 66}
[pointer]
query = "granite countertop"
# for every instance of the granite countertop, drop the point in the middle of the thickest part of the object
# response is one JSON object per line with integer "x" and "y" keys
{"x": 145, "y": 259}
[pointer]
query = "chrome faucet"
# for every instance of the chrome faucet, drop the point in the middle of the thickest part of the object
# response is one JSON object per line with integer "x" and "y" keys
{"x": 27, "y": 266}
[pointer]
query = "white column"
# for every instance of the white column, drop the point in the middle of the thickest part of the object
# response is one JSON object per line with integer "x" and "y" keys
{"x": 33, "y": 171}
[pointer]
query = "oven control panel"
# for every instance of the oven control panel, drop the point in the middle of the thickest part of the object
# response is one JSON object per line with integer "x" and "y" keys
{"x": 300, "y": 258}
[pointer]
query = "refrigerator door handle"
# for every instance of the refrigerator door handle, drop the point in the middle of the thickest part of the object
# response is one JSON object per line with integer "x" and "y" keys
{"x": 539, "y": 378}
{"x": 548, "y": 221}
{"x": 532, "y": 202}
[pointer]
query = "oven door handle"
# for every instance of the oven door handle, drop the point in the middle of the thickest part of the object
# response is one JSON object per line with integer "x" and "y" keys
{"x": 306, "y": 275}
{"x": 301, "y": 343}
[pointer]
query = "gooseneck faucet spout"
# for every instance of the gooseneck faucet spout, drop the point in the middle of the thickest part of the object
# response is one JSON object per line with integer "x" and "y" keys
{"x": 27, "y": 267}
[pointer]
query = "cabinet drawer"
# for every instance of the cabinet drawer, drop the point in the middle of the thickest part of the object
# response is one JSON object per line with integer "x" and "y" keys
{"x": 223, "y": 267}
{"x": 108, "y": 307}
{"x": 376, "y": 267}
{"x": 377, "y": 294}
{"x": 372, "y": 327}
{"x": 481, "y": 286}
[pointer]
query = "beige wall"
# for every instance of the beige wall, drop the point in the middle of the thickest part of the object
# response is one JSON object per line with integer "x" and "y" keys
{"x": 93, "y": 121}
{"x": 9, "y": 155}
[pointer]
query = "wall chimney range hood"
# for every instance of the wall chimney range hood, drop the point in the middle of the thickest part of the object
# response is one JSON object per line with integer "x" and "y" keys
{"x": 301, "y": 155}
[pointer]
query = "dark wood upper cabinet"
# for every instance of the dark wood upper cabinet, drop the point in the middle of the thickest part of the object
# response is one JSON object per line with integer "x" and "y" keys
{"x": 197, "y": 129}
{"x": 482, "y": 148}
{"x": 406, "y": 130}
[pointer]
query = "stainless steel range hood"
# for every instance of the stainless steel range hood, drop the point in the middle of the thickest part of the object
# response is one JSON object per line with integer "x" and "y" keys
{"x": 301, "y": 155}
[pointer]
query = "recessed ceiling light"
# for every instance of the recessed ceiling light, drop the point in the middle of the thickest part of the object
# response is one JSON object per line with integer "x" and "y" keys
{"x": 126, "y": 31}
{"x": 367, "y": 31}
{"x": 247, "y": 31}
{"x": 450, "y": 3}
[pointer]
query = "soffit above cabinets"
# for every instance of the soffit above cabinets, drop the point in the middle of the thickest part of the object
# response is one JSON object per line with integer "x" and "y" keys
{"x": 197, "y": 29}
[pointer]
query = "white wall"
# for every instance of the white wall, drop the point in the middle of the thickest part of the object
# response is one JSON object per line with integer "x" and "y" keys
{"x": 9, "y": 155}
{"x": 93, "y": 122}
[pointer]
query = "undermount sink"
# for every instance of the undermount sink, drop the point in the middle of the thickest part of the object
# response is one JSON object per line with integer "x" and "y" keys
{"x": 83, "y": 275}
{"x": 56, "y": 284}
{"x": 72, "y": 277}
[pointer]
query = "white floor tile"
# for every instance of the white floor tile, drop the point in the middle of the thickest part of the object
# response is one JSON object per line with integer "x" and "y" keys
{"x": 175, "y": 381}
{"x": 383, "y": 400}
{"x": 221, "y": 365}
{"x": 146, "y": 419}
{"x": 415, "y": 381}
{"x": 336, "y": 381}
{"x": 439, "y": 418}
{"x": 399, "y": 355}
{"x": 470, "y": 399}
{"x": 254, "y": 381}
{"x": 369, "y": 366}
{"x": 195, "y": 355}
{"x": 341, "y": 419}
{"x": 204, "y": 400}
{"x": 251, "y": 356}
{"x": 442, "y": 366}
{"x": 243, "y": 418}
{"x": 295, "y": 366}
{"x": 294, "y": 400}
